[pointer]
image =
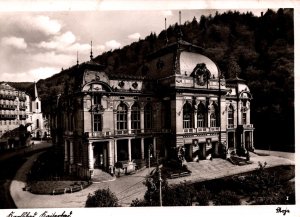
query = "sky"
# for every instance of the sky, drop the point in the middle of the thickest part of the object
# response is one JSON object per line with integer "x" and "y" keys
{"x": 37, "y": 44}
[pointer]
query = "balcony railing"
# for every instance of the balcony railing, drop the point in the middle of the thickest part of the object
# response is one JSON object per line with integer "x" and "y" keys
{"x": 166, "y": 130}
{"x": 122, "y": 132}
{"x": 189, "y": 130}
{"x": 7, "y": 117}
{"x": 136, "y": 131}
{"x": 7, "y": 96}
{"x": 247, "y": 125}
{"x": 201, "y": 129}
{"x": 230, "y": 126}
{"x": 69, "y": 133}
{"x": 97, "y": 134}
{"x": 22, "y": 117}
{"x": 8, "y": 107}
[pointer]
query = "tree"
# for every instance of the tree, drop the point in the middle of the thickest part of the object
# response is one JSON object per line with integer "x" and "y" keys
{"x": 102, "y": 198}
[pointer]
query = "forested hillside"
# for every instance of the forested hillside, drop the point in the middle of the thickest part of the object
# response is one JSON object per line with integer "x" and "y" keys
{"x": 257, "y": 49}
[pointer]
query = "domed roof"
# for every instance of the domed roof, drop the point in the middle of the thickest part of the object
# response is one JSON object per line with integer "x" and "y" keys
{"x": 189, "y": 60}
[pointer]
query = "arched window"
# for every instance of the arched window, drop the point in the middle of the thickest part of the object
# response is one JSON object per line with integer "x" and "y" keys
{"x": 230, "y": 116}
{"x": 122, "y": 117}
{"x": 37, "y": 123}
{"x": 37, "y": 105}
{"x": 148, "y": 116}
{"x": 187, "y": 116}
{"x": 135, "y": 117}
{"x": 201, "y": 116}
{"x": 213, "y": 116}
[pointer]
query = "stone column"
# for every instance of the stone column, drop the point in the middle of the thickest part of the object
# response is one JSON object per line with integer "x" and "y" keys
{"x": 66, "y": 151}
{"x": 242, "y": 140}
{"x": 142, "y": 117}
{"x": 129, "y": 149}
{"x": 252, "y": 146}
{"x": 109, "y": 154}
{"x": 71, "y": 156}
{"x": 66, "y": 157}
{"x": 208, "y": 119}
{"x": 115, "y": 122}
{"x": 129, "y": 121}
{"x": 142, "y": 149}
{"x": 91, "y": 155}
{"x": 116, "y": 150}
{"x": 234, "y": 143}
{"x": 195, "y": 119}
{"x": 71, "y": 152}
{"x": 154, "y": 146}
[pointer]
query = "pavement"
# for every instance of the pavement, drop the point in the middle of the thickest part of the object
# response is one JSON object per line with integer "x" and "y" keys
{"x": 128, "y": 188}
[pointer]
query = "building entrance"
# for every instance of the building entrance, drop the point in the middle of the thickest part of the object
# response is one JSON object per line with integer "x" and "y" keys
{"x": 100, "y": 155}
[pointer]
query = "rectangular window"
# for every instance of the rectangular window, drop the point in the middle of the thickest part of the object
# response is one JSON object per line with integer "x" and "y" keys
{"x": 148, "y": 119}
{"x": 122, "y": 120}
{"x": 230, "y": 118}
{"x": 187, "y": 123}
{"x": 37, "y": 105}
{"x": 97, "y": 99}
{"x": 213, "y": 121}
{"x": 135, "y": 120}
{"x": 97, "y": 122}
{"x": 37, "y": 123}
{"x": 244, "y": 118}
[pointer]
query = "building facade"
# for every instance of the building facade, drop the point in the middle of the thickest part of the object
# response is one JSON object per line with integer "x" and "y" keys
{"x": 18, "y": 109}
{"x": 176, "y": 104}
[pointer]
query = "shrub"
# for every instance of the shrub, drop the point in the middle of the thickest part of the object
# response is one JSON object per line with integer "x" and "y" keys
{"x": 137, "y": 202}
{"x": 227, "y": 198}
{"x": 182, "y": 195}
{"x": 203, "y": 196}
{"x": 102, "y": 198}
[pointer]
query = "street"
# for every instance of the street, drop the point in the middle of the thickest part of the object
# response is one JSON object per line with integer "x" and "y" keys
{"x": 10, "y": 162}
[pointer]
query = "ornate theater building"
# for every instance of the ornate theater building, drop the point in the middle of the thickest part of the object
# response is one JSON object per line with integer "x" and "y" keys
{"x": 178, "y": 102}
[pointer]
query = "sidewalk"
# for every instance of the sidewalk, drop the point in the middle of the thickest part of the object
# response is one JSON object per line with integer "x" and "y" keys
{"x": 127, "y": 188}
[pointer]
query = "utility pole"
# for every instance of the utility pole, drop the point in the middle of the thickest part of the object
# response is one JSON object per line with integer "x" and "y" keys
{"x": 160, "y": 193}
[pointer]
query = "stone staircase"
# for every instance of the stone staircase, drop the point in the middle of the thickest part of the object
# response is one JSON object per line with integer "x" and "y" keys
{"x": 101, "y": 176}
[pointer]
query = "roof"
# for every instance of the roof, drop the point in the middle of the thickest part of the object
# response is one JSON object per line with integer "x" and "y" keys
{"x": 189, "y": 60}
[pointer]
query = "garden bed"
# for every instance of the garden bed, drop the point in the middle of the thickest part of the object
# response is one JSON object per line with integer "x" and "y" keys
{"x": 56, "y": 187}
{"x": 47, "y": 176}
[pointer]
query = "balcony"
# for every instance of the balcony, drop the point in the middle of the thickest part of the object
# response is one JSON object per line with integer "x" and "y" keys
{"x": 22, "y": 117}
{"x": 230, "y": 126}
{"x": 201, "y": 129}
{"x": 166, "y": 130}
{"x": 7, "y": 96}
{"x": 248, "y": 126}
{"x": 121, "y": 132}
{"x": 97, "y": 134}
{"x": 8, "y": 107}
{"x": 7, "y": 117}
{"x": 69, "y": 133}
{"x": 22, "y": 98}
{"x": 189, "y": 130}
{"x": 136, "y": 131}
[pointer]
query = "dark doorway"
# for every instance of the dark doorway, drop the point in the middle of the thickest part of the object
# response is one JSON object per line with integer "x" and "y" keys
{"x": 122, "y": 150}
